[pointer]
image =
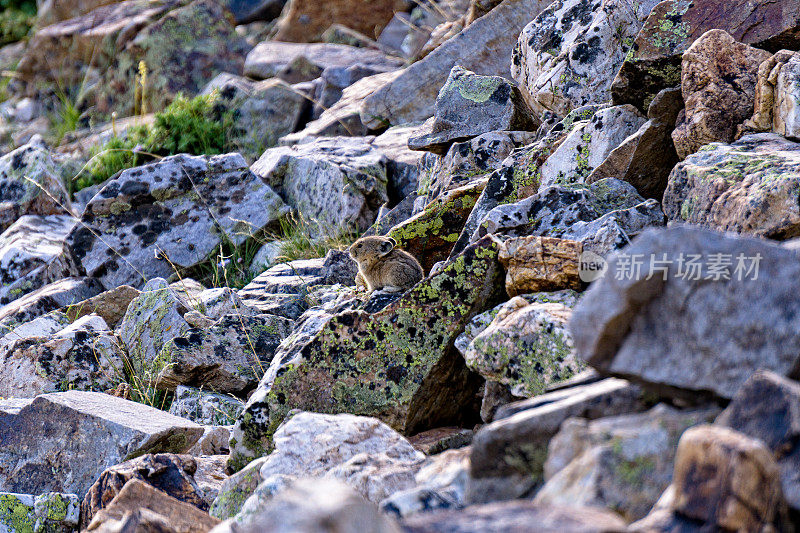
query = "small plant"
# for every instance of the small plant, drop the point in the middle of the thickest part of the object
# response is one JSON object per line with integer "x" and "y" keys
{"x": 67, "y": 116}
{"x": 16, "y": 20}
{"x": 298, "y": 241}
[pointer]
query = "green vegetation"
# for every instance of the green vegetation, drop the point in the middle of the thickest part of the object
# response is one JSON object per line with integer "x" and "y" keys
{"x": 16, "y": 20}
{"x": 296, "y": 236}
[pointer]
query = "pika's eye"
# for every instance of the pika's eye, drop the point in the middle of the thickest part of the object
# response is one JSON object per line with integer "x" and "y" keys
{"x": 359, "y": 246}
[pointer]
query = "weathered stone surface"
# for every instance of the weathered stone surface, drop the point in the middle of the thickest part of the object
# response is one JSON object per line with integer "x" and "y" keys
{"x": 49, "y": 298}
{"x": 429, "y": 235}
{"x": 568, "y": 56}
{"x": 32, "y": 254}
{"x": 52, "y": 11}
{"x": 293, "y": 62}
{"x": 263, "y": 111}
{"x": 141, "y": 507}
{"x": 312, "y": 505}
{"x": 207, "y": 408}
{"x": 776, "y": 97}
{"x": 540, "y": 264}
{"x": 588, "y": 144}
{"x": 303, "y": 21}
{"x": 169, "y": 473}
{"x": 622, "y": 463}
{"x": 750, "y": 186}
{"x": 718, "y": 81}
{"x": 723, "y": 329}
{"x": 170, "y": 214}
{"x": 80, "y": 434}
{"x": 30, "y": 185}
{"x": 396, "y": 364}
{"x": 214, "y": 442}
{"x": 83, "y": 356}
{"x": 520, "y": 516}
{"x": 53, "y": 511}
{"x": 766, "y": 408}
{"x": 508, "y": 455}
{"x": 338, "y": 183}
{"x": 228, "y": 357}
{"x": 403, "y": 162}
{"x": 211, "y": 474}
{"x": 646, "y": 158}
{"x": 672, "y": 27}
{"x": 245, "y": 11}
{"x": 469, "y": 105}
{"x": 110, "y": 305}
{"x": 729, "y": 481}
{"x": 483, "y": 47}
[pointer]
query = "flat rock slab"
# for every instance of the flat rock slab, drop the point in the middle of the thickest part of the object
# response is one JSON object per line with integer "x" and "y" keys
{"x": 80, "y": 434}
{"x": 170, "y": 214}
{"x": 49, "y": 298}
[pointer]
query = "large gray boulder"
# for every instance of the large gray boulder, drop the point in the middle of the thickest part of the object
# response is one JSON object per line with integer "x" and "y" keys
{"x": 698, "y": 316}
{"x": 52, "y": 297}
{"x": 80, "y": 434}
{"x": 172, "y": 214}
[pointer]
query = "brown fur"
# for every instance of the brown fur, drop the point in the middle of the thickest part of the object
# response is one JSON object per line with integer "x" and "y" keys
{"x": 381, "y": 266}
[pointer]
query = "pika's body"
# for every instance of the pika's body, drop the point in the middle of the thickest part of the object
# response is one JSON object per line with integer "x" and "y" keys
{"x": 382, "y": 266}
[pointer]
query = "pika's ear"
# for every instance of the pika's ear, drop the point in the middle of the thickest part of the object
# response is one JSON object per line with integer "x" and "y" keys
{"x": 394, "y": 242}
{"x": 387, "y": 246}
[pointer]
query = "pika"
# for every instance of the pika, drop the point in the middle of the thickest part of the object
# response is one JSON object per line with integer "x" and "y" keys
{"x": 382, "y": 266}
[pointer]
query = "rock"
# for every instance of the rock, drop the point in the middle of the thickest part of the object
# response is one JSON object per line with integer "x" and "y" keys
{"x": 429, "y": 235}
{"x": 210, "y": 475}
{"x": 508, "y": 455}
{"x": 407, "y": 374}
{"x": 540, "y": 264}
{"x": 765, "y": 408}
{"x": 526, "y": 347}
{"x": 141, "y": 507}
{"x": 52, "y": 511}
{"x": 718, "y": 84}
{"x": 776, "y": 96}
{"x": 469, "y": 105}
{"x": 438, "y": 440}
{"x": 30, "y": 185}
{"x": 82, "y": 356}
{"x": 161, "y": 220}
{"x": 80, "y": 434}
{"x": 302, "y": 21}
{"x": 214, "y": 442}
{"x": 646, "y": 158}
{"x": 245, "y": 11}
{"x": 49, "y": 298}
{"x": 207, "y": 408}
{"x": 228, "y": 357}
{"x": 263, "y": 111}
{"x": 622, "y": 463}
{"x": 339, "y": 34}
{"x": 329, "y": 87}
{"x": 236, "y": 489}
{"x": 312, "y": 505}
{"x": 674, "y": 25}
{"x": 568, "y": 55}
{"x": 295, "y": 62}
{"x": 729, "y": 481}
{"x": 725, "y": 330}
{"x": 169, "y": 473}
{"x": 403, "y": 162}
{"x": 588, "y": 144}
{"x": 749, "y": 186}
{"x": 110, "y": 305}
{"x": 50, "y": 11}
{"x": 516, "y": 517}
{"x": 483, "y": 47}
{"x": 31, "y": 254}
{"x": 338, "y": 183}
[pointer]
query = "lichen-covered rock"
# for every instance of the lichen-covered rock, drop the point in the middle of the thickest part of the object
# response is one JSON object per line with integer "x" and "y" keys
{"x": 236, "y": 489}
{"x": 30, "y": 185}
{"x": 750, "y": 186}
{"x": 483, "y": 47}
{"x": 170, "y": 214}
{"x": 539, "y": 264}
{"x": 765, "y": 408}
{"x": 32, "y": 254}
{"x": 80, "y": 434}
{"x": 83, "y": 356}
{"x": 396, "y": 364}
{"x": 49, "y": 512}
{"x": 263, "y": 112}
{"x": 52, "y": 297}
{"x": 109, "y": 305}
{"x": 206, "y": 408}
{"x": 718, "y": 81}
{"x": 229, "y": 357}
{"x": 337, "y": 183}
{"x": 568, "y": 56}
{"x": 167, "y": 472}
{"x": 622, "y": 463}
{"x": 588, "y": 144}
{"x": 469, "y": 105}
{"x": 718, "y": 317}
{"x": 303, "y": 21}
{"x": 654, "y": 61}
{"x": 646, "y": 158}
